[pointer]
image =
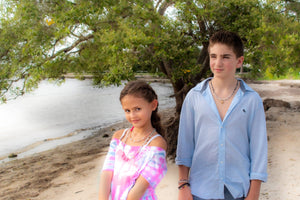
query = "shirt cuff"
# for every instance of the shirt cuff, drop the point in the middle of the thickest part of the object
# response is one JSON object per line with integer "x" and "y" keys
{"x": 259, "y": 176}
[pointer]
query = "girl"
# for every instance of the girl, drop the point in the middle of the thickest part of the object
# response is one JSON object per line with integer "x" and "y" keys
{"x": 136, "y": 160}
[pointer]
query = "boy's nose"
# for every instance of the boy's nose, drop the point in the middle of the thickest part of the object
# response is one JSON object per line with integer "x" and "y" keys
{"x": 219, "y": 61}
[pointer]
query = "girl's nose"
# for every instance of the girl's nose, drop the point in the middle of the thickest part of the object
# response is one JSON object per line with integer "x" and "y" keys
{"x": 132, "y": 114}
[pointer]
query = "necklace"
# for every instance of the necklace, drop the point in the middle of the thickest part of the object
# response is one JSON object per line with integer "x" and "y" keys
{"x": 222, "y": 100}
{"x": 140, "y": 140}
{"x": 126, "y": 157}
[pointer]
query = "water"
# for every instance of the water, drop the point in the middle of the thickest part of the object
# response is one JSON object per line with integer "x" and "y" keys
{"x": 54, "y": 115}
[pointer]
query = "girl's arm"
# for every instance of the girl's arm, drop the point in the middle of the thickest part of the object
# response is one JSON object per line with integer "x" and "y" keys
{"x": 105, "y": 182}
{"x": 107, "y": 174}
{"x": 138, "y": 190}
{"x": 141, "y": 184}
{"x": 254, "y": 190}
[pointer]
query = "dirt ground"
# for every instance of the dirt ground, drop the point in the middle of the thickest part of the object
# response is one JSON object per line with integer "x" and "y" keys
{"x": 72, "y": 171}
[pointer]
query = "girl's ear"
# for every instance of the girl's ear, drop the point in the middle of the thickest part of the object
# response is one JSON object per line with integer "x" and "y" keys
{"x": 154, "y": 104}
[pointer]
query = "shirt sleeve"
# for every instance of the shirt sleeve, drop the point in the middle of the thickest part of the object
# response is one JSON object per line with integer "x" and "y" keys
{"x": 109, "y": 162}
{"x": 185, "y": 144}
{"x": 258, "y": 145}
{"x": 155, "y": 169}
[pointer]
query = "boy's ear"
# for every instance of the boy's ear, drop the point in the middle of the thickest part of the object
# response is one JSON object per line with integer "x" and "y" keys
{"x": 154, "y": 104}
{"x": 240, "y": 62}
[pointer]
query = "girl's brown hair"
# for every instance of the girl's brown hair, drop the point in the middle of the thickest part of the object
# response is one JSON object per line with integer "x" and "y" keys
{"x": 143, "y": 90}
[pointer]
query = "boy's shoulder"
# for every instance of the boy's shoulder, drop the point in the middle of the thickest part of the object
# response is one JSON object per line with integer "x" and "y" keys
{"x": 200, "y": 87}
{"x": 245, "y": 87}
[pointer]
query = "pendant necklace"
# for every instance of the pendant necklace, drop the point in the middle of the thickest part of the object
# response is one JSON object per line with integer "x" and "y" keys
{"x": 222, "y": 100}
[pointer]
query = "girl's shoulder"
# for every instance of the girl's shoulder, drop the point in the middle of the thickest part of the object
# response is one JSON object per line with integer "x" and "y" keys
{"x": 159, "y": 142}
{"x": 118, "y": 134}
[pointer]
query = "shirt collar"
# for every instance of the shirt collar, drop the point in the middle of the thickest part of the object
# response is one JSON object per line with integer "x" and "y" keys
{"x": 201, "y": 87}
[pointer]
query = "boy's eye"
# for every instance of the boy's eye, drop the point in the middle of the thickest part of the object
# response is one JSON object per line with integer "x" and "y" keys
{"x": 137, "y": 109}
{"x": 127, "y": 111}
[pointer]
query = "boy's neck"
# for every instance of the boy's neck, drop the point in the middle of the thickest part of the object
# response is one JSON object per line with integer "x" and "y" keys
{"x": 224, "y": 83}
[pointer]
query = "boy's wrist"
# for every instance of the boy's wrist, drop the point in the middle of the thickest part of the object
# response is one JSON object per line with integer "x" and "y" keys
{"x": 183, "y": 185}
{"x": 181, "y": 181}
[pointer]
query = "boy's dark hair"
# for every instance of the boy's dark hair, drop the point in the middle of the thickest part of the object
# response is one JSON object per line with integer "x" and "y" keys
{"x": 230, "y": 39}
{"x": 143, "y": 90}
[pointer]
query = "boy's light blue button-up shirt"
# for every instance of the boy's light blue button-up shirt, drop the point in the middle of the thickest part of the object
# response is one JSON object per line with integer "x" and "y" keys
{"x": 230, "y": 152}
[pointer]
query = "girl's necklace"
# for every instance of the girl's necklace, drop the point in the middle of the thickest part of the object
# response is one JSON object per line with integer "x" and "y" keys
{"x": 127, "y": 158}
{"x": 142, "y": 139}
{"x": 222, "y": 100}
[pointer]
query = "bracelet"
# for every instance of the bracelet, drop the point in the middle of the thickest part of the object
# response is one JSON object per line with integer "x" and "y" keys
{"x": 183, "y": 181}
{"x": 182, "y": 185}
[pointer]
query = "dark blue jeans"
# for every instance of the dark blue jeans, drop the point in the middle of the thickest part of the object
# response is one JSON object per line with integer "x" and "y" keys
{"x": 227, "y": 195}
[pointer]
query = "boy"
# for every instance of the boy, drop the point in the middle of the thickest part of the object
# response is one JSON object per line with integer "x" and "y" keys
{"x": 222, "y": 140}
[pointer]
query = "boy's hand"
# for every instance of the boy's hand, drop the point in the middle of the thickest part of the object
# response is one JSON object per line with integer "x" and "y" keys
{"x": 185, "y": 194}
{"x": 254, "y": 190}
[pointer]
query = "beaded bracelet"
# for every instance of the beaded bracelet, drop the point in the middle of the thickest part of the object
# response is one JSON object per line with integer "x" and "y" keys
{"x": 183, "y": 181}
{"x": 182, "y": 185}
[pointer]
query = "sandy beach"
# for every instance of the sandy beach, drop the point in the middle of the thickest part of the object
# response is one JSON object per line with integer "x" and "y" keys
{"x": 71, "y": 171}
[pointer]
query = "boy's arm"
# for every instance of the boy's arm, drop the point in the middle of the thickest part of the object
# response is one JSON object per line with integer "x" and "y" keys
{"x": 258, "y": 144}
{"x": 254, "y": 190}
{"x": 185, "y": 192}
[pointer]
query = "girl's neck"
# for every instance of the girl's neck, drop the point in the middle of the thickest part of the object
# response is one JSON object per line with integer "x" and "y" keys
{"x": 142, "y": 131}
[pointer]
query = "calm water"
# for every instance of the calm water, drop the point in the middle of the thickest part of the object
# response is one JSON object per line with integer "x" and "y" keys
{"x": 54, "y": 115}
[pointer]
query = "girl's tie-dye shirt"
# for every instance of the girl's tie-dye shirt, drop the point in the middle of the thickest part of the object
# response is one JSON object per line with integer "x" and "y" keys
{"x": 129, "y": 162}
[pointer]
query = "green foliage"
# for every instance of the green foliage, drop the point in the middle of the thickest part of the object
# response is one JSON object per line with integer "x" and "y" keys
{"x": 278, "y": 47}
{"x": 111, "y": 40}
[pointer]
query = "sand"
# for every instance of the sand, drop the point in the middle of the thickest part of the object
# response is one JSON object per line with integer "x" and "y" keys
{"x": 71, "y": 172}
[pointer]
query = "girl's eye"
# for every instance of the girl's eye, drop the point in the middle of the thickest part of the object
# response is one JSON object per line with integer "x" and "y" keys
{"x": 127, "y": 111}
{"x": 138, "y": 109}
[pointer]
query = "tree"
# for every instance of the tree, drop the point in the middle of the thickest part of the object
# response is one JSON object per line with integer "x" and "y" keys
{"x": 44, "y": 39}
{"x": 278, "y": 42}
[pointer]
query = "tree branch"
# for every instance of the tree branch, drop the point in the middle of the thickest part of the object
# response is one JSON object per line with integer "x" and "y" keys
{"x": 164, "y": 6}
{"x": 75, "y": 44}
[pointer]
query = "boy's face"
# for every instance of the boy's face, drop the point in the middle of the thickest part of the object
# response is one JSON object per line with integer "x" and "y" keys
{"x": 223, "y": 61}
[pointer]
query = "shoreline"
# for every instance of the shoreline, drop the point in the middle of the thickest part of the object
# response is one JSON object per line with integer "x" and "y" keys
{"x": 71, "y": 171}
{"x": 52, "y": 143}
{"x": 55, "y": 114}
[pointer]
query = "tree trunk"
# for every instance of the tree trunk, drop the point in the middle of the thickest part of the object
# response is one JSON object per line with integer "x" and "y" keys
{"x": 180, "y": 90}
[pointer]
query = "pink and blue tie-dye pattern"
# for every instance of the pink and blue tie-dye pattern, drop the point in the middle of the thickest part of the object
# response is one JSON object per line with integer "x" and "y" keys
{"x": 128, "y": 164}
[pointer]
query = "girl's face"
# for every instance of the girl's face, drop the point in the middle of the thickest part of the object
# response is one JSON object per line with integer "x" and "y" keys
{"x": 138, "y": 111}
{"x": 223, "y": 61}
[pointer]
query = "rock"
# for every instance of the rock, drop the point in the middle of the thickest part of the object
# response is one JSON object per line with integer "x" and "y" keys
{"x": 268, "y": 103}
